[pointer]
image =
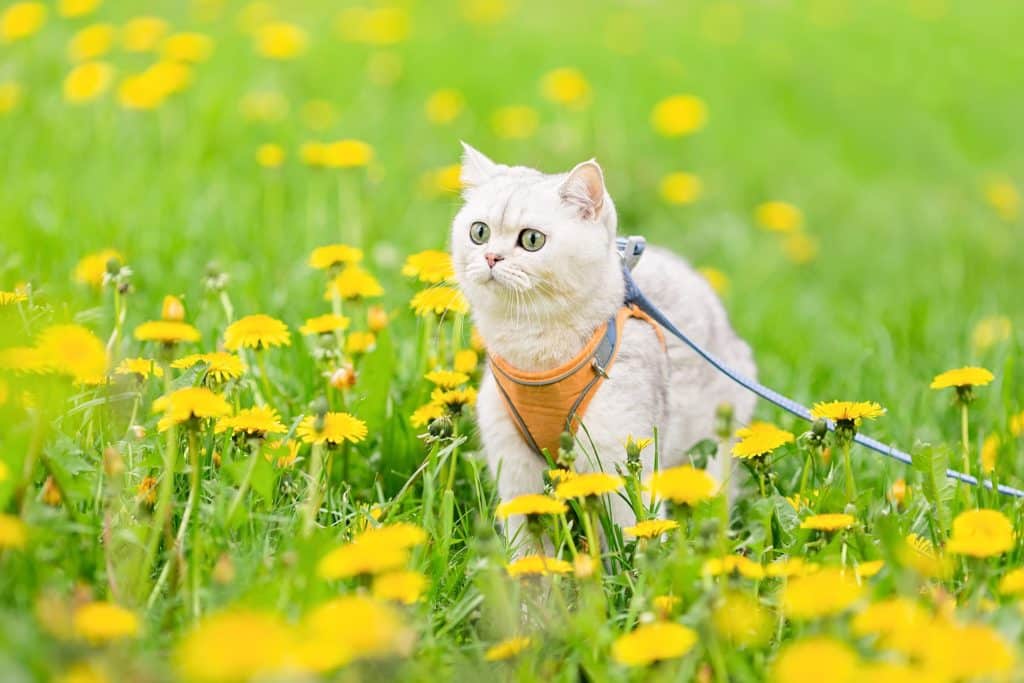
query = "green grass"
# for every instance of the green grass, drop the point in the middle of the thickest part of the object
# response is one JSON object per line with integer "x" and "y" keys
{"x": 884, "y": 126}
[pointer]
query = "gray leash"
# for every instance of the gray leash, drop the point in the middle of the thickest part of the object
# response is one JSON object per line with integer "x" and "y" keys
{"x": 632, "y": 249}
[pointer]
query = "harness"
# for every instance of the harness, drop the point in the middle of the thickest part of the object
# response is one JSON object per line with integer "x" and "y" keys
{"x": 546, "y": 404}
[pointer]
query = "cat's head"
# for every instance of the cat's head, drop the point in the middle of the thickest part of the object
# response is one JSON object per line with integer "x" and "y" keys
{"x": 526, "y": 239}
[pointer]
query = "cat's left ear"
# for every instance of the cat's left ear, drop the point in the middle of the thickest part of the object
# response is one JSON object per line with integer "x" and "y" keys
{"x": 584, "y": 190}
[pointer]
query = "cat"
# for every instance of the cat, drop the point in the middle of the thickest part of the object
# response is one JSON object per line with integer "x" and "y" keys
{"x": 536, "y": 258}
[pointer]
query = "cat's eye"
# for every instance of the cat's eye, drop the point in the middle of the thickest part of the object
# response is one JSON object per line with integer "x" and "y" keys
{"x": 479, "y": 232}
{"x": 532, "y": 240}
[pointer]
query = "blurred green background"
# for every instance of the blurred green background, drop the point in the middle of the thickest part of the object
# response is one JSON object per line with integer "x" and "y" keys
{"x": 890, "y": 129}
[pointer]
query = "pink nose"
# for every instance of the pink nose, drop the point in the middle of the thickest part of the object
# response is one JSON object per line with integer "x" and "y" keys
{"x": 493, "y": 258}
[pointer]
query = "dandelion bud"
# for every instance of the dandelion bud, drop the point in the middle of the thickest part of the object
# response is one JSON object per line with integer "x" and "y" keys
{"x": 343, "y": 378}
{"x": 138, "y": 431}
{"x": 566, "y": 442}
{"x": 224, "y": 570}
{"x": 898, "y": 491}
{"x": 440, "y": 427}
{"x": 377, "y": 318}
{"x": 51, "y": 493}
{"x": 113, "y": 266}
{"x": 724, "y": 416}
{"x": 146, "y": 492}
{"x": 819, "y": 429}
{"x": 216, "y": 459}
{"x": 319, "y": 407}
{"x": 172, "y": 310}
{"x": 113, "y": 463}
{"x": 583, "y": 567}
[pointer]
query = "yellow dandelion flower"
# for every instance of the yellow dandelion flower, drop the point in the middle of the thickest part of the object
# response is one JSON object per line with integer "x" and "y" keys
{"x": 507, "y": 649}
{"x": 353, "y": 282}
{"x": 337, "y": 429}
{"x": 91, "y": 42}
{"x": 683, "y": 485}
{"x": 440, "y": 181}
{"x": 651, "y": 528}
{"x": 733, "y": 564}
{"x": 73, "y": 350}
{"x": 537, "y": 565}
{"x": 377, "y": 318}
{"x": 379, "y": 26}
{"x": 141, "y": 367}
{"x": 962, "y": 377}
{"x": 172, "y": 309}
{"x": 760, "y": 438}
{"x": 439, "y": 301}
{"x": 281, "y": 40}
{"x": 589, "y": 484}
{"x": 466, "y": 361}
{"x": 72, "y": 9}
{"x": 823, "y": 593}
{"x": 146, "y": 490}
{"x": 312, "y": 153}
{"x": 741, "y": 619}
{"x": 891, "y": 618}
{"x": 405, "y": 587}
{"x": 187, "y": 404}
{"x": 679, "y": 115}
{"x": 847, "y": 411}
{"x": 718, "y": 280}
{"x": 202, "y": 656}
{"x": 485, "y": 12}
{"x": 1002, "y": 195}
{"x": 654, "y": 642}
{"x": 21, "y": 20}
{"x": 191, "y": 48}
{"x": 256, "y": 332}
{"x": 920, "y": 555}
{"x": 778, "y": 216}
{"x": 5, "y": 472}
{"x": 828, "y": 522}
{"x": 1012, "y": 583}
{"x": 990, "y": 453}
{"x": 25, "y": 360}
{"x": 1017, "y": 424}
{"x": 102, "y": 622}
{"x": 360, "y": 342}
{"x": 559, "y": 475}
{"x": 325, "y": 324}
{"x": 800, "y": 248}
{"x": 220, "y": 366}
{"x": 515, "y": 122}
{"x": 444, "y": 106}
{"x": 374, "y": 551}
{"x": 531, "y": 504}
{"x": 447, "y": 378}
{"x": 425, "y": 414}
{"x": 430, "y": 266}
{"x": 790, "y": 566}
{"x": 87, "y": 81}
{"x": 665, "y": 605}
{"x": 11, "y": 298}
{"x": 93, "y": 267}
{"x": 981, "y": 533}
{"x": 13, "y": 532}
{"x": 333, "y": 255}
{"x": 143, "y": 34}
{"x": 680, "y": 188}
{"x": 347, "y": 154}
{"x": 990, "y": 331}
{"x": 360, "y": 627}
{"x": 166, "y": 332}
{"x": 257, "y": 421}
{"x": 865, "y": 570}
{"x": 804, "y": 661}
{"x": 270, "y": 155}
{"x": 453, "y": 399}
{"x": 566, "y": 86}
{"x": 10, "y": 95}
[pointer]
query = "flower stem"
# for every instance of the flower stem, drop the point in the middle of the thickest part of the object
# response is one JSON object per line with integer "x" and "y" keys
{"x": 194, "y": 557}
{"x": 243, "y": 488}
{"x": 965, "y": 437}
{"x": 316, "y": 464}
{"x": 851, "y": 485}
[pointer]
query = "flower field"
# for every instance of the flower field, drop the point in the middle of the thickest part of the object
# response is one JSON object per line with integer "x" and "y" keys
{"x": 237, "y": 378}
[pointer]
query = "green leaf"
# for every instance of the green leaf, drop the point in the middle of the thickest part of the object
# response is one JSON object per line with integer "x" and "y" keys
{"x": 376, "y": 376}
{"x": 931, "y": 463}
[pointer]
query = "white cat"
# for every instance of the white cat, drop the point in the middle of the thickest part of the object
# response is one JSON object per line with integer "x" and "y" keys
{"x": 535, "y": 256}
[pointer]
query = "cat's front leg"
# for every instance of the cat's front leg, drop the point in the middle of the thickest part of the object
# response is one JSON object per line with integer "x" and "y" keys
{"x": 515, "y": 467}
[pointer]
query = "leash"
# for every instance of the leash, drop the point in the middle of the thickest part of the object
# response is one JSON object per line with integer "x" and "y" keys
{"x": 632, "y": 249}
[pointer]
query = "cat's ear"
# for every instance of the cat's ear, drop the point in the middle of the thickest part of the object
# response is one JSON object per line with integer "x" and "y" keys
{"x": 584, "y": 190}
{"x": 477, "y": 169}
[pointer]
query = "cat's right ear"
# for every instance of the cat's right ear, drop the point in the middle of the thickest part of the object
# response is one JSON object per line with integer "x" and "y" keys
{"x": 477, "y": 169}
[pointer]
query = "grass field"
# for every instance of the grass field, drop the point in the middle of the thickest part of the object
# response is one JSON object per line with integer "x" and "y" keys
{"x": 847, "y": 173}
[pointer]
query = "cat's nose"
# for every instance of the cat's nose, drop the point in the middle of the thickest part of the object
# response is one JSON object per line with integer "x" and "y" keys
{"x": 493, "y": 258}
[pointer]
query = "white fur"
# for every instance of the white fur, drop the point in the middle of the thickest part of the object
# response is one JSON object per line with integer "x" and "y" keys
{"x": 538, "y": 309}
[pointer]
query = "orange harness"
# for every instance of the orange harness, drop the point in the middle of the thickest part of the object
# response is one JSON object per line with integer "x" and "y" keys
{"x": 545, "y": 404}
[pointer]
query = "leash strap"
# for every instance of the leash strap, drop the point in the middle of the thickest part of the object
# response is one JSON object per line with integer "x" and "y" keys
{"x": 633, "y": 248}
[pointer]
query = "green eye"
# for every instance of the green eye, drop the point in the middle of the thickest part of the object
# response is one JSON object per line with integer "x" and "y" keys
{"x": 532, "y": 240}
{"x": 479, "y": 232}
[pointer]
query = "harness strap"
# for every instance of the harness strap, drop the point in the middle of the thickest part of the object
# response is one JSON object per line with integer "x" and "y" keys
{"x": 636, "y": 297}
